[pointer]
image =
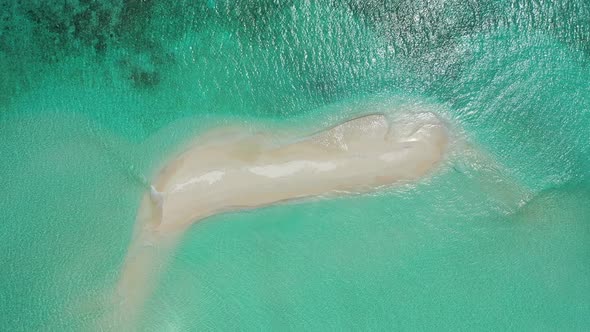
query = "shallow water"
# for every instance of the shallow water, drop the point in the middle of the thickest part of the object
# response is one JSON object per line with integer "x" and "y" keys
{"x": 94, "y": 97}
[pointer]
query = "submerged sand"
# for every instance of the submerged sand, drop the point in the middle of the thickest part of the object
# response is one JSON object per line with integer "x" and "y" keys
{"x": 239, "y": 170}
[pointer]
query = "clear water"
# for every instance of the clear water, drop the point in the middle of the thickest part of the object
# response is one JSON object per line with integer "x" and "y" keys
{"x": 94, "y": 95}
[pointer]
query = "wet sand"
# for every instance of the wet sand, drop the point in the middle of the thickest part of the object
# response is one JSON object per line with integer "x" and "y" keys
{"x": 240, "y": 170}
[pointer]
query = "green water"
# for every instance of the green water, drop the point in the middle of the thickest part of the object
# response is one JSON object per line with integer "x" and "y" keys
{"x": 94, "y": 95}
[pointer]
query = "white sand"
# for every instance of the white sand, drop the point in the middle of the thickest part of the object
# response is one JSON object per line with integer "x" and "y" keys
{"x": 358, "y": 155}
{"x": 249, "y": 171}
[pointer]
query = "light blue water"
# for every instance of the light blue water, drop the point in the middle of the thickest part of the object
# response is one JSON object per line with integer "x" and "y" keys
{"x": 94, "y": 95}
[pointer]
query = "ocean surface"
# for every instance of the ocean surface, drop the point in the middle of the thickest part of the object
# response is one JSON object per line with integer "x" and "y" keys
{"x": 95, "y": 95}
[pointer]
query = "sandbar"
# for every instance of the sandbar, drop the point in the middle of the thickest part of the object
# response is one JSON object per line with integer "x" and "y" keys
{"x": 241, "y": 170}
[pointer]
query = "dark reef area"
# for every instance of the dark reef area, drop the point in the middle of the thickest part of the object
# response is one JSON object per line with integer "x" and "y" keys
{"x": 138, "y": 34}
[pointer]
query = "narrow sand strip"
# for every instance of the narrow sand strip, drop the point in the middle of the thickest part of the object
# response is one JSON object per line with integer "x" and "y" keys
{"x": 212, "y": 177}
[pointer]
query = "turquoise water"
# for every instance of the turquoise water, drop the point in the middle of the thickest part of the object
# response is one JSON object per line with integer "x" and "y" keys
{"x": 94, "y": 95}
